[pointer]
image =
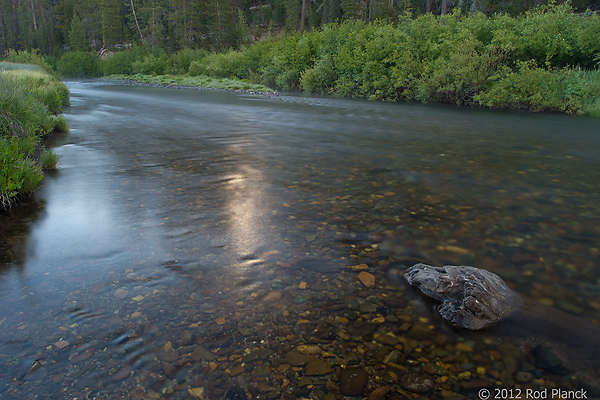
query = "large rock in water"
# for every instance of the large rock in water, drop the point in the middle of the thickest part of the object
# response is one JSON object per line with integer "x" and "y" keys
{"x": 472, "y": 298}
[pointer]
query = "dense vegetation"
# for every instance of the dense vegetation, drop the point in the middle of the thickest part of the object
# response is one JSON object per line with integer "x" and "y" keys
{"x": 544, "y": 60}
{"x": 78, "y": 25}
{"x": 30, "y": 101}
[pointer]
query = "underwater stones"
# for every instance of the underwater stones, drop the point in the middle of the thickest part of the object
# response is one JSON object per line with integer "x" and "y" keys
{"x": 353, "y": 381}
{"x": 317, "y": 368}
{"x": 298, "y": 359}
{"x": 546, "y": 359}
{"x": 472, "y": 298}
{"x": 416, "y": 383}
{"x": 366, "y": 278}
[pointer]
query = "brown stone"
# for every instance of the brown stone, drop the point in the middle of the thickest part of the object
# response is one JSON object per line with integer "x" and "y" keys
{"x": 317, "y": 367}
{"x": 366, "y": 278}
{"x": 353, "y": 381}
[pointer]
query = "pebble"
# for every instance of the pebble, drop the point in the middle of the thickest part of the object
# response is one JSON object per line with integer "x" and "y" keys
{"x": 187, "y": 337}
{"x": 61, "y": 344}
{"x": 379, "y": 393}
{"x": 202, "y": 354}
{"x": 298, "y": 359}
{"x": 353, "y": 381}
{"x": 317, "y": 368}
{"x": 523, "y": 376}
{"x": 122, "y": 373}
{"x": 367, "y": 279}
{"x": 416, "y": 383}
{"x": 121, "y": 293}
{"x": 463, "y": 347}
{"x": 309, "y": 349}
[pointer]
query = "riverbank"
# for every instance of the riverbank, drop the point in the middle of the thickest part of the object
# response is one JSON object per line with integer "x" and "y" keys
{"x": 30, "y": 106}
{"x": 194, "y": 82}
{"x": 543, "y": 61}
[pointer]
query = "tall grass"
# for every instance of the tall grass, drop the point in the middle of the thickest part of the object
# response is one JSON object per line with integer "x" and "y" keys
{"x": 29, "y": 103}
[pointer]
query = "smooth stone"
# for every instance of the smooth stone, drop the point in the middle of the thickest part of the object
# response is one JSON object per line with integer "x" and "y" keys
{"x": 546, "y": 359}
{"x": 298, "y": 359}
{"x": 386, "y": 339}
{"x": 36, "y": 373}
{"x": 317, "y": 368}
{"x": 170, "y": 370}
{"x": 262, "y": 371}
{"x": 353, "y": 381}
{"x": 361, "y": 328}
{"x": 309, "y": 349}
{"x": 523, "y": 377}
{"x": 200, "y": 353}
{"x": 416, "y": 383}
{"x": 367, "y": 279}
{"x": 122, "y": 373}
{"x": 168, "y": 356}
{"x": 380, "y": 393}
{"x": 187, "y": 337}
{"x": 259, "y": 354}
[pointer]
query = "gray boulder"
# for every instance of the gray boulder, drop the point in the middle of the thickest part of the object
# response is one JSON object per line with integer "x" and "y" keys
{"x": 472, "y": 298}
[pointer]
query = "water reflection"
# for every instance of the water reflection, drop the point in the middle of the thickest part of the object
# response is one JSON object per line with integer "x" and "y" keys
{"x": 201, "y": 244}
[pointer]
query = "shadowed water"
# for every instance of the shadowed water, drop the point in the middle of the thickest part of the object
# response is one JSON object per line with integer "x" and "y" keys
{"x": 192, "y": 240}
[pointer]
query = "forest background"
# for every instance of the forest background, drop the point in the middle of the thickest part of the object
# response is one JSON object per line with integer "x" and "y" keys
{"x": 54, "y": 26}
{"x": 502, "y": 54}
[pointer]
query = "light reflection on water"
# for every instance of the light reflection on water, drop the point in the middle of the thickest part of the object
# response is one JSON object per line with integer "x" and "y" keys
{"x": 186, "y": 220}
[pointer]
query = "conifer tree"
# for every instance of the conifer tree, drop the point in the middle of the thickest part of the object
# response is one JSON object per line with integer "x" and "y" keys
{"x": 77, "y": 41}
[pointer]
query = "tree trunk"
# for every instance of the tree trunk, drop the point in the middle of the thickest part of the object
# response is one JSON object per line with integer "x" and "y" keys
{"x": 137, "y": 24}
{"x": 444, "y": 7}
{"x": 428, "y": 4}
{"x": 303, "y": 15}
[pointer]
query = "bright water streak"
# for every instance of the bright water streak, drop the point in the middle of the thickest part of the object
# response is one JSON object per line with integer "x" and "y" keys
{"x": 202, "y": 212}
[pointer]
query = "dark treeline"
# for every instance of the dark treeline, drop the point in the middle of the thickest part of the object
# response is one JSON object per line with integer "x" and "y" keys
{"x": 54, "y": 26}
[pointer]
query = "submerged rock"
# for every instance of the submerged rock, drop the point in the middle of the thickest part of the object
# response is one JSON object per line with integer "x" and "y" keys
{"x": 472, "y": 298}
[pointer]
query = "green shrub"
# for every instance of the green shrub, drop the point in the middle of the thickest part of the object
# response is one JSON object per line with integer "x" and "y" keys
{"x": 122, "y": 62}
{"x": 28, "y": 57}
{"x": 78, "y": 64}
{"x": 60, "y": 124}
{"x": 151, "y": 65}
{"x": 49, "y": 160}
{"x": 28, "y": 102}
{"x": 19, "y": 175}
{"x": 180, "y": 62}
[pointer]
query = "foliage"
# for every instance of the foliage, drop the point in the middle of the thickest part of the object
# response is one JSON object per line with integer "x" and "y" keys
{"x": 29, "y": 101}
{"x": 19, "y": 175}
{"x": 78, "y": 64}
{"x": 201, "y": 81}
{"x": 28, "y": 57}
{"x": 49, "y": 160}
{"x": 532, "y": 61}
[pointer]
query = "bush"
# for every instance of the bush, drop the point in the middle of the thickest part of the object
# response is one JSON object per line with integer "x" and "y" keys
{"x": 28, "y": 103}
{"x": 28, "y": 57}
{"x": 122, "y": 62}
{"x": 180, "y": 62}
{"x": 78, "y": 64}
{"x": 49, "y": 160}
{"x": 19, "y": 175}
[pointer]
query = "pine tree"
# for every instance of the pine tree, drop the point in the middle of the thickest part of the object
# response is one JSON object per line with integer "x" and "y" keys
{"x": 77, "y": 41}
{"x": 112, "y": 26}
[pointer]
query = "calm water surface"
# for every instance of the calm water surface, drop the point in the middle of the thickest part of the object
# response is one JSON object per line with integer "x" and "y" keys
{"x": 191, "y": 241}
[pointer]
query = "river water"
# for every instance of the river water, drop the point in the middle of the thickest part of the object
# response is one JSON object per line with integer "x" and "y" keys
{"x": 200, "y": 244}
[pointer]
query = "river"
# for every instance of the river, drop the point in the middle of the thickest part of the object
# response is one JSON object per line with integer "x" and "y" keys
{"x": 202, "y": 244}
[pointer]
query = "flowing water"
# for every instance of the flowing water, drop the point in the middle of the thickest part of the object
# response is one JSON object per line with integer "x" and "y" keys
{"x": 200, "y": 244}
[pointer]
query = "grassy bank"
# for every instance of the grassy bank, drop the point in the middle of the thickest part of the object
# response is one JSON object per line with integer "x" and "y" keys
{"x": 202, "y": 82}
{"x": 30, "y": 103}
